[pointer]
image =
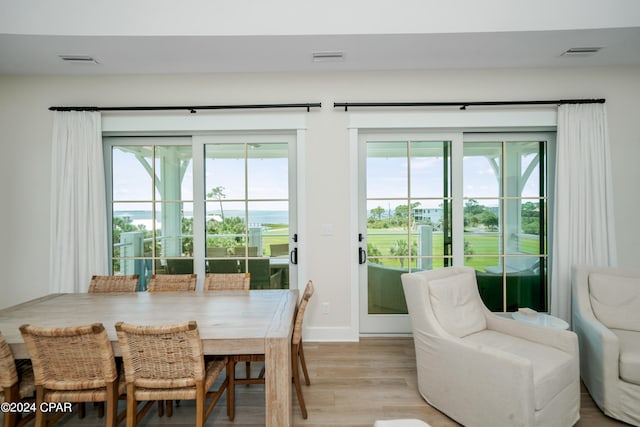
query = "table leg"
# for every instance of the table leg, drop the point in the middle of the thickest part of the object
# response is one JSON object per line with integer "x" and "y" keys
{"x": 278, "y": 408}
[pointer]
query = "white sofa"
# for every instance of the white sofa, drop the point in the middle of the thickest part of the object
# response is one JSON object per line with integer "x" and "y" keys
{"x": 606, "y": 317}
{"x": 485, "y": 370}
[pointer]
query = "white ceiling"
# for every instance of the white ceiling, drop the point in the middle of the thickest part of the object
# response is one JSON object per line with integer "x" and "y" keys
{"x": 507, "y": 33}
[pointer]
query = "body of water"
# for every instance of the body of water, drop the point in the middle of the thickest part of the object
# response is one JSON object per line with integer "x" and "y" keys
{"x": 255, "y": 217}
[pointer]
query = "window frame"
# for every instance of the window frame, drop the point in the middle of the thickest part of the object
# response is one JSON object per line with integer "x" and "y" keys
{"x": 192, "y": 127}
{"x": 498, "y": 120}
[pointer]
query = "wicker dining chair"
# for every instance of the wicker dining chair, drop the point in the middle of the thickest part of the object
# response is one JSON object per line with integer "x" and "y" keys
{"x": 16, "y": 384}
{"x": 227, "y": 281}
{"x": 172, "y": 282}
{"x": 297, "y": 359}
{"x": 167, "y": 363}
{"x": 73, "y": 364}
{"x": 106, "y": 284}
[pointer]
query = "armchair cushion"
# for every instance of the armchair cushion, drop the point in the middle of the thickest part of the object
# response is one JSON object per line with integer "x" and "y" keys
{"x": 619, "y": 309}
{"x": 552, "y": 368}
{"x": 629, "y": 355}
{"x": 606, "y": 317}
{"x": 456, "y": 305}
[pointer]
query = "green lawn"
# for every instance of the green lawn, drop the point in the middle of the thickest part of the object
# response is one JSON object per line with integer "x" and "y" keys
{"x": 274, "y": 236}
{"x": 484, "y": 246}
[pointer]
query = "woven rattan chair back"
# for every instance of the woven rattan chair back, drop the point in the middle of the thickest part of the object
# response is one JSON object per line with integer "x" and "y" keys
{"x": 302, "y": 307}
{"x": 106, "y": 284}
{"x": 16, "y": 383}
{"x": 161, "y": 356}
{"x": 73, "y": 364}
{"x": 167, "y": 363}
{"x": 227, "y": 281}
{"x": 8, "y": 371}
{"x": 172, "y": 282}
{"x": 70, "y": 358}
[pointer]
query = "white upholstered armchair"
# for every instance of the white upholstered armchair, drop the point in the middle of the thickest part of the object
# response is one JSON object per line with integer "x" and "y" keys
{"x": 484, "y": 370}
{"x": 606, "y": 317}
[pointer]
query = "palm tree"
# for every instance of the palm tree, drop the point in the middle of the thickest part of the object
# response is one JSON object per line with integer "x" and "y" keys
{"x": 217, "y": 193}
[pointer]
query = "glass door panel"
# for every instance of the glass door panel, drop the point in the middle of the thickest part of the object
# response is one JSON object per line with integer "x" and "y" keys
{"x": 407, "y": 221}
{"x": 152, "y": 207}
{"x": 504, "y": 237}
{"x": 247, "y": 209}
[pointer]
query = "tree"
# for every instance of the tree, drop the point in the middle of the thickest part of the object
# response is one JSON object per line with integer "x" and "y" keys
{"x": 187, "y": 242}
{"x": 218, "y": 194}
{"x": 377, "y": 212}
{"x": 373, "y": 251}
{"x": 489, "y": 219}
{"x": 402, "y": 214}
{"x": 400, "y": 248}
{"x": 472, "y": 207}
{"x": 530, "y": 218}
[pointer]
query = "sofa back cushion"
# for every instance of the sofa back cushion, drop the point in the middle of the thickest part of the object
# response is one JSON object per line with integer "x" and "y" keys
{"x": 615, "y": 300}
{"x": 457, "y": 305}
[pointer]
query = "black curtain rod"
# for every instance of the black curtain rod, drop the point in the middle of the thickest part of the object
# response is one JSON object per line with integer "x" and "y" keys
{"x": 464, "y": 105}
{"x": 192, "y": 109}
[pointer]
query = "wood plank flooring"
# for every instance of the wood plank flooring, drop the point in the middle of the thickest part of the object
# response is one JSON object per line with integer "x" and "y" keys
{"x": 352, "y": 384}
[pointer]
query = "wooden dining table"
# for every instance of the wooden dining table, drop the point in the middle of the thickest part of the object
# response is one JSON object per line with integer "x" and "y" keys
{"x": 230, "y": 322}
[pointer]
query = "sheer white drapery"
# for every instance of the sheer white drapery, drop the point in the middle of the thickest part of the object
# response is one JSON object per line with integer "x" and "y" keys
{"x": 583, "y": 231}
{"x": 78, "y": 246}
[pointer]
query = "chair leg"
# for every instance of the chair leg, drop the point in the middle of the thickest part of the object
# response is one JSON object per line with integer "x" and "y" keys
{"x": 231, "y": 388}
{"x": 296, "y": 379}
{"x": 132, "y": 406}
{"x": 303, "y": 363}
{"x": 100, "y": 406}
{"x": 200, "y": 403}
{"x": 169, "y": 407}
{"x": 160, "y": 408}
{"x": 11, "y": 394}
{"x": 41, "y": 417}
{"x": 112, "y": 404}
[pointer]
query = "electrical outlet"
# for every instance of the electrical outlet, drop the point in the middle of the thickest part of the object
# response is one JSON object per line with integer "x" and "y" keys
{"x": 325, "y": 308}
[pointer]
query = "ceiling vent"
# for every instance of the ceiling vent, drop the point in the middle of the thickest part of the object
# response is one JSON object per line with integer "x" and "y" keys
{"x": 328, "y": 56}
{"x": 581, "y": 51}
{"x": 78, "y": 59}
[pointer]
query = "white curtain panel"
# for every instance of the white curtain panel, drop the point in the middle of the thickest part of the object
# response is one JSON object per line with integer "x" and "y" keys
{"x": 583, "y": 216}
{"x": 78, "y": 203}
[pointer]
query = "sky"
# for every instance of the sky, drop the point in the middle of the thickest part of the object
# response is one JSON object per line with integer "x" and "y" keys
{"x": 387, "y": 180}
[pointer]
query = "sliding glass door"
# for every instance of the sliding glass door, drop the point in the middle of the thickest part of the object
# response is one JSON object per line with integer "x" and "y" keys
{"x": 432, "y": 200}
{"x": 217, "y": 203}
{"x": 406, "y": 218}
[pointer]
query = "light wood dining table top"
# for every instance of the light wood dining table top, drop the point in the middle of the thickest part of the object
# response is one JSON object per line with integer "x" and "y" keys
{"x": 230, "y": 322}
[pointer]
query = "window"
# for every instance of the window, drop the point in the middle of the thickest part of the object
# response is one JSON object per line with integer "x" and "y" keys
{"x": 474, "y": 199}
{"x": 218, "y": 203}
{"x": 151, "y": 206}
{"x": 505, "y": 218}
{"x": 408, "y": 200}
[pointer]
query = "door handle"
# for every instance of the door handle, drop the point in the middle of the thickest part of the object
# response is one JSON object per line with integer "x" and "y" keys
{"x": 362, "y": 256}
{"x": 293, "y": 256}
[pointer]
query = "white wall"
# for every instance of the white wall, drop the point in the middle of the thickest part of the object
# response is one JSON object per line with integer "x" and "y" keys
{"x": 26, "y": 131}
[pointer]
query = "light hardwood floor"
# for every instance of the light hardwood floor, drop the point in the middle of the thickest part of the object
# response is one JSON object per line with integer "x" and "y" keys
{"x": 352, "y": 384}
